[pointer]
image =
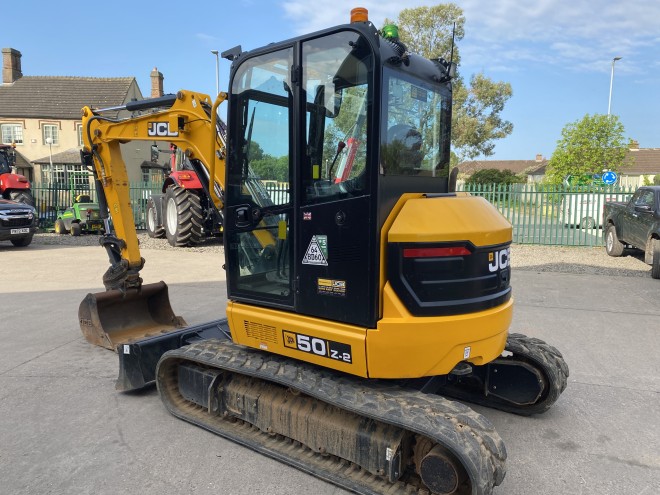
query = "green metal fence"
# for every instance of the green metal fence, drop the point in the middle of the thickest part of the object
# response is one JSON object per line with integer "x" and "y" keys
{"x": 51, "y": 198}
{"x": 552, "y": 215}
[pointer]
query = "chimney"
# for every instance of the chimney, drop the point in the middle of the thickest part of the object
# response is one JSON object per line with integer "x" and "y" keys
{"x": 11, "y": 65}
{"x": 156, "y": 83}
{"x": 539, "y": 157}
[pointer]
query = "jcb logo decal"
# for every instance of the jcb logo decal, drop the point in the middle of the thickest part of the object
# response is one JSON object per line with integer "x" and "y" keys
{"x": 160, "y": 129}
{"x": 498, "y": 260}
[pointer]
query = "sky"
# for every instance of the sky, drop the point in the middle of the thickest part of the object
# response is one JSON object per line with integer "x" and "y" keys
{"x": 556, "y": 54}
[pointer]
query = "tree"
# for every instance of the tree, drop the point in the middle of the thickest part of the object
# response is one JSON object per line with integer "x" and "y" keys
{"x": 477, "y": 108}
{"x": 588, "y": 146}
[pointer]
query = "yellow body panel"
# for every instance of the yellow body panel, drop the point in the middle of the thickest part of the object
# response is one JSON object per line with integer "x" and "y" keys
{"x": 441, "y": 219}
{"x": 406, "y": 346}
{"x": 299, "y": 336}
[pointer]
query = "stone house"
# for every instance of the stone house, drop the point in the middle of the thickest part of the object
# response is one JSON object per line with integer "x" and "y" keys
{"x": 41, "y": 115}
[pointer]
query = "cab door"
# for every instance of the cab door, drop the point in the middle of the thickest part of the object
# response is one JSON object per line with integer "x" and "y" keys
{"x": 258, "y": 225}
{"x": 336, "y": 260}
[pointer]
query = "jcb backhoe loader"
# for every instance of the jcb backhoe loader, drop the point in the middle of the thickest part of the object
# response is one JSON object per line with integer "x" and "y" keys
{"x": 357, "y": 298}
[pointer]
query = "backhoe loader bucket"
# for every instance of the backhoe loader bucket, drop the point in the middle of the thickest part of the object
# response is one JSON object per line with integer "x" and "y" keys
{"x": 112, "y": 318}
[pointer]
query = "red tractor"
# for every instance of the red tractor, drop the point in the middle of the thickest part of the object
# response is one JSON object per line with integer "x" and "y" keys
{"x": 13, "y": 186}
{"x": 184, "y": 213}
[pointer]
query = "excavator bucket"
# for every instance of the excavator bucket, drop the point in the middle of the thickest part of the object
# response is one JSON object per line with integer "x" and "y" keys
{"x": 109, "y": 319}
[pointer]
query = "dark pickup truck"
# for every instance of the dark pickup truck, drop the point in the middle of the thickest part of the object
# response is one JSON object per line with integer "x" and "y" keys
{"x": 635, "y": 223}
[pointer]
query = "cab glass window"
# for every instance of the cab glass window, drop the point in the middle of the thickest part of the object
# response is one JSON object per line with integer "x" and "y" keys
{"x": 337, "y": 78}
{"x": 415, "y": 127}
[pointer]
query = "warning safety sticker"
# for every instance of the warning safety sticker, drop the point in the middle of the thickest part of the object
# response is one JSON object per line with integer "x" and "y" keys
{"x": 317, "y": 251}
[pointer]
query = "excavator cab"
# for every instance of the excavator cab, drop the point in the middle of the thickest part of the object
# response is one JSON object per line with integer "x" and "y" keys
{"x": 345, "y": 121}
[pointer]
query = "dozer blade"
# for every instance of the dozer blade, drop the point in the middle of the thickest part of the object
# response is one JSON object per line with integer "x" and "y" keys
{"x": 109, "y": 319}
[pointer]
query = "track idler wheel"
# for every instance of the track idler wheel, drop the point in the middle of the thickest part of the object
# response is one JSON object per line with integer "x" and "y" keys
{"x": 440, "y": 472}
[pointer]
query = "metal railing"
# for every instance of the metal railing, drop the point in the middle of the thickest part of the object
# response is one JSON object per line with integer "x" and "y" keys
{"x": 552, "y": 215}
{"x": 52, "y": 198}
{"x": 540, "y": 214}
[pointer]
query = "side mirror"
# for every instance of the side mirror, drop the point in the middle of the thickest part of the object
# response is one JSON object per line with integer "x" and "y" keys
{"x": 642, "y": 208}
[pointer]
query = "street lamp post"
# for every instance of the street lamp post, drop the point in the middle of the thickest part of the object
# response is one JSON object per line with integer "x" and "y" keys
{"x": 609, "y": 103}
{"x": 49, "y": 142}
{"x": 217, "y": 71}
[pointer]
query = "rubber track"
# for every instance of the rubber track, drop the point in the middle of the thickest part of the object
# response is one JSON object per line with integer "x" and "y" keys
{"x": 469, "y": 435}
{"x": 189, "y": 217}
{"x": 541, "y": 355}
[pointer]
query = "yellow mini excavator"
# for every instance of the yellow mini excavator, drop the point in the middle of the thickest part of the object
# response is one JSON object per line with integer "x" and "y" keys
{"x": 362, "y": 289}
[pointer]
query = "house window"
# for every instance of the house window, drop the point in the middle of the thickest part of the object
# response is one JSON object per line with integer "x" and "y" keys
{"x": 69, "y": 175}
{"x": 12, "y": 133}
{"x": 80, "y": 134}
{"x": 50, "y": 131}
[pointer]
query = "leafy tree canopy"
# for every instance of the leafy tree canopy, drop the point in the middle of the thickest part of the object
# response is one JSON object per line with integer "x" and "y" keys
{"x": 476, "y": 121}
{"x": 588, "y": 146}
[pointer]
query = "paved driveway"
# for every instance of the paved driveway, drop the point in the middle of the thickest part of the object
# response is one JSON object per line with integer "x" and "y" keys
{"x": 64, "y": 430}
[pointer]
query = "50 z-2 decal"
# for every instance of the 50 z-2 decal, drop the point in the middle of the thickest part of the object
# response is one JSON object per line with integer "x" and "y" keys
{"x": 318, "y": 347}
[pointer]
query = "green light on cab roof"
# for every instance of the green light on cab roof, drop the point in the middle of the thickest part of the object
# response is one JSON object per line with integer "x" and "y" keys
{"x": 390, "y": 31}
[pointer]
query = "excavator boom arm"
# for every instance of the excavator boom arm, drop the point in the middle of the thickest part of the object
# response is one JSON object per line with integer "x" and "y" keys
{"x": 189, "y": 121}
{"x": 128, "y": 310}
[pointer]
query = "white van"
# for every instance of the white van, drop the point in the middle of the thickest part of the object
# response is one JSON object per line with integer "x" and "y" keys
{"x": 585, "y": 210}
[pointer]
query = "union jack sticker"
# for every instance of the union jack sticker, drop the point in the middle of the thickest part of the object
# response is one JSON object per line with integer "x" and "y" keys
{"x": 307, "y": 215}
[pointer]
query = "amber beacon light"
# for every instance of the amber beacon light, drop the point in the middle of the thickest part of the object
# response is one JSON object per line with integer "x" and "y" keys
{"x": 359, "y": 14}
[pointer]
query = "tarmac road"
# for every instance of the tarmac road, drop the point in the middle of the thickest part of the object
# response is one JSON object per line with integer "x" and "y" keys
{"x": 64, "y": 429}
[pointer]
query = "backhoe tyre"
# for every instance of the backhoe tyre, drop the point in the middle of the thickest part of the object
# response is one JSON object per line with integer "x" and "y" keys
{"x": 655, "y": 265}
{"x": 183, "y": 217}
{"x": 22, "y": 242}
{"x": 154, "y": 230}
{"x": 60, "y": 228}
{"x": 613, "y": 246}
{"x": 76, "y": 229}
{"x": 22, "y": 196}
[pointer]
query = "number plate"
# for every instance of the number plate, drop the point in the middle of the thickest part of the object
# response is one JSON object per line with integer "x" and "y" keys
{"x": 20, "y": 231}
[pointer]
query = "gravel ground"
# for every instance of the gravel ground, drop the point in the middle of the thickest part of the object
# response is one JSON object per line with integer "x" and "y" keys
{"x": 562, "y": 259}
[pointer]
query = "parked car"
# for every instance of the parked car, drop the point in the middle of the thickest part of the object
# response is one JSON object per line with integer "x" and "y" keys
{"x": 636, "y": 224}
{"x": 18, "y": 222}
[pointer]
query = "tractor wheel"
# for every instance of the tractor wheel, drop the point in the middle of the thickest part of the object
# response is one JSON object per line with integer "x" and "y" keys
{"x": 655, "y": 265}
{"x": 22, "y": 242}
{"x": 60, "y": 228}
{"x": 22, "y": 196}
{"x": 183, "y": 217}
{"x": 76, "y": 229}
{"x": 612, "y": 245}
{"x": 153, "y": 229}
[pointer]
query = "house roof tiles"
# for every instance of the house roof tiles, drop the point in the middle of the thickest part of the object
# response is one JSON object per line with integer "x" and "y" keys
{"x": 515, "y": 166}
{"x": 642, "y": 161}
{"x": 60, "y": 97}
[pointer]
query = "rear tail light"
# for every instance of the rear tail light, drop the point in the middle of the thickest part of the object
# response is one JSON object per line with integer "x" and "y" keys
{"x": 436, "y": 252}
